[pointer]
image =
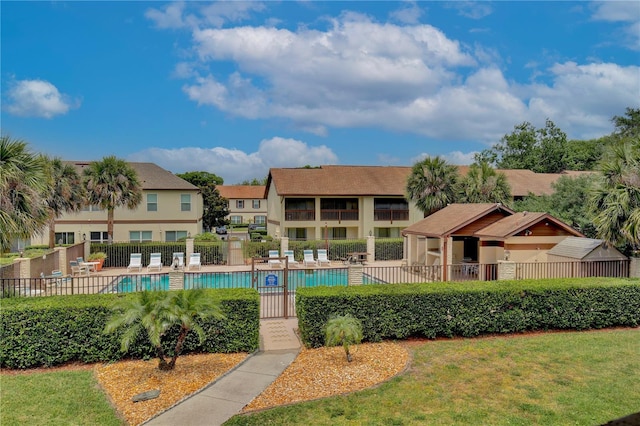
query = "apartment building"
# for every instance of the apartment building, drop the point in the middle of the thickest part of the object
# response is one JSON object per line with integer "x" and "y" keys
{"x": 247, "y": 203}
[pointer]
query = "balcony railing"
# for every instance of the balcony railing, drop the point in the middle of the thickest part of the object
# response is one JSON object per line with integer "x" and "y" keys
{"x": 338, "y": 214}
{"x": 391, "y": 215}
{"x": 300, "y": 215}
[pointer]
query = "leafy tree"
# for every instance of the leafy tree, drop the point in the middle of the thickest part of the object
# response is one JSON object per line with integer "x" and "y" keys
{"x": 432, "y": 184}
{"x": 615, "y": 201}
{"x": 201, "y": 179}
{"x": 482, "y": 184}
{"x": 255, "y": 182}
{"x": 567, "y": 202}
{"x": 66, "y": 194}
{"x": 585, "y": 155}
{"x": 343, "y": 330}
{"x": 112, "y": 183}
{"x": 627, "y": 126}
{"x": 157, "y": 312}
{"x": 215, "y": 207}
{"x": 541, "y": 150}
{"x": 23, "y": 183}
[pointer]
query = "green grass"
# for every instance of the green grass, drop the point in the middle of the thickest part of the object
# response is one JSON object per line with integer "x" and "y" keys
{"x": 54, "y": 398}
{"x": 576, "y": 378}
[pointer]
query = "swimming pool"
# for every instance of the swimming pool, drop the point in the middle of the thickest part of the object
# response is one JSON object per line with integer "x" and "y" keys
{"x": 296, "y": 279}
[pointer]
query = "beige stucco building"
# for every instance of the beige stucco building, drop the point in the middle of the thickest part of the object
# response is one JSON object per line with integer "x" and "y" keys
{"x": 338, "y": 202}
{"x": 171, "y": 208}
{"x": 246, "y": 203}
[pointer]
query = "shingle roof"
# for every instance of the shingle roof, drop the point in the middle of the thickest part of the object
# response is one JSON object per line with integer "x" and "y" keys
{"x": 389, "y": 180}
{"x": 254, "y": 192}
{"x": 576, "y": 248}
{"x": 151, "y": 176}
{"x": 452, "y": 218}
{"x": 340, "y": 180}
{"x": 511, "y": 225}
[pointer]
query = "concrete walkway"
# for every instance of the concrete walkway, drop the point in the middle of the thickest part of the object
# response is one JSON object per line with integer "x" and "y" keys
{"x": 221, "y": 400}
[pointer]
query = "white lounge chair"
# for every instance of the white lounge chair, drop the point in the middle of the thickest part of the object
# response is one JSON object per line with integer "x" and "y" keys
{"x": 180, "y": 257}
{"x": 308, "y": 259}
{"x": 77, "y": 269}
{"x": 155, "y": 261}
{"x": 274, "y": 262}
{"x": 290, "y": 258}
{"x": 322, "y": 257}
{"x": 135, "y": 261}
{"x": 194, "y": 261}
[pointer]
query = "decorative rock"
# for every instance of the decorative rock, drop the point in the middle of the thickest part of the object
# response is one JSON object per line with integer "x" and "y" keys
{"x": 146, "y": 395}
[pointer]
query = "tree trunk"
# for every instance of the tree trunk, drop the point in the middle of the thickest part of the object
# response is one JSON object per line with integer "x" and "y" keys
{"x": 162, "y": 362}
{"x": 110, "y": 224}
{"x": 52, "y": 232}
{"x": 181, "y": 338}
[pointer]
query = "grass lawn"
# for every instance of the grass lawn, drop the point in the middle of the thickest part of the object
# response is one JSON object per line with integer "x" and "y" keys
{"x": 54, "y": 398}
{"x": 575, "y": 378}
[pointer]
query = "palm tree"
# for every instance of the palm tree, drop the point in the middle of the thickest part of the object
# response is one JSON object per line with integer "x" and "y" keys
{"x": 112, "y": 183}
{"x": 157, "y": 312}
{"x": 615, "y": 200}
{"x": 343, "y": 330}
{"x": 483, "y": 184}
{"x": 23, "y": 183}
{"x": 431, "y": 184}
{"x": 66, "y": 194}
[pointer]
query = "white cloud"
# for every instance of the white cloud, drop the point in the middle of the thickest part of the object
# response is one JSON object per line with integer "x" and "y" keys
{"x": 37, "y": 98}
{"x": 471, "y": 9}
{"x": 234, "y": 165}
{"x": 406, "y": 78}
{"x": 409, "y": 13}
{"x": 621, "y": 11}
{"x": 169, "y": 17}
{"x": 174, "y": 15}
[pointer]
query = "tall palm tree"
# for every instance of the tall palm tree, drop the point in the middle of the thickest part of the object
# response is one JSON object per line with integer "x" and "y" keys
{"x": 483, "y": 184}
{"x": 615, "y": 200}
{"x": 112, "y": 183}
{"x": 23, "y": 184}
{"x": 158, "y": 311}
{"x": 67, "y": 194}
{"x": 431, "y": 184}
{"x": 343, "y": 330}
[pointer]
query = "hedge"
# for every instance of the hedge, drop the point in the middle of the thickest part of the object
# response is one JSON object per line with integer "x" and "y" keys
{"x": 398, "y": 311}
{"x": 47, "y": 331}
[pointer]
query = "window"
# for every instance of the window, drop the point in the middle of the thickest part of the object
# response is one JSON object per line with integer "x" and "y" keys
{"x": 65, "y": 238}
{"x": 236, "y": 219}
{"x": 260, "y": 219}
{"x": 239, "y": 204}
{"x": 337, "y": 233}
{"x": 185, "y": 202}
{"x": 140, "y": 236}
{"x": 297, "y": 233}
{"x": 175, "y": 235}
{"x": 152, "y": 202}
{"x": 91, "y": 209}
{"x": 99, "y": 237}
{"x": 256, "y": 204}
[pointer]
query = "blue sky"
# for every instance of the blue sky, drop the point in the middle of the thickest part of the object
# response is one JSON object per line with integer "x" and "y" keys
{"x": 235, "y": 88}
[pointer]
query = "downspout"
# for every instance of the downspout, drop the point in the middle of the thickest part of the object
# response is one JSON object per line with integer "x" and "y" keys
{"x": 444, "y": 259}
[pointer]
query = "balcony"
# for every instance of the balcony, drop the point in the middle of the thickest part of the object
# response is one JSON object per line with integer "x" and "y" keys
{"x": 299, "y": 215}
{"x": 338, "y": 215}
{"x": 388, "y": 215}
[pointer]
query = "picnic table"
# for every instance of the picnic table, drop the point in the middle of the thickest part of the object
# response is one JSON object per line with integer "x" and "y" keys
{"x": 356, "y": 257}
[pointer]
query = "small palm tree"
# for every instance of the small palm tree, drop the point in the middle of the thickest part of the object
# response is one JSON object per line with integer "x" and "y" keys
{"x": 66, "y": 194}
{"x": 158, "y": 311}
{"x": 112, "y": 183}
{"x": 431, "y": 184}
{"x": 343, "y": 330}
{"x": 23, "y": 184}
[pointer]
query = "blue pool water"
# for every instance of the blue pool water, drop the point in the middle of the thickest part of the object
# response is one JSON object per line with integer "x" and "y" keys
{"x": 296, "y": 279}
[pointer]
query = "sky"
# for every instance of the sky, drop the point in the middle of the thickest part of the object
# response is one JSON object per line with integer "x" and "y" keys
{"x": 235, "y": 88}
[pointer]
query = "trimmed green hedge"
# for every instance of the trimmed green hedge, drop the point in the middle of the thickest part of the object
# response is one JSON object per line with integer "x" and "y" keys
{"x": 47, "y": 331}
{"x": 469, "y": 309}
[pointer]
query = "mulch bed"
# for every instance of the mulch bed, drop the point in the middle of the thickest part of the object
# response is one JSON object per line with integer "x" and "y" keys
{"x": 315, "y": 373}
